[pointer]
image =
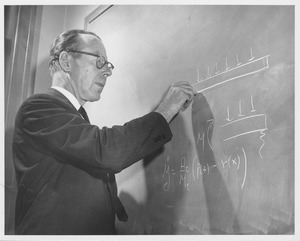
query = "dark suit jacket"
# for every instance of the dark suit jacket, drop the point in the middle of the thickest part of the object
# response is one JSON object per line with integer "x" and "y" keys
{"x": 62, "y": 164}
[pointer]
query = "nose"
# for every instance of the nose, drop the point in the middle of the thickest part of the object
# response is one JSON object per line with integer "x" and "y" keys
{"x": 106, "y": 71}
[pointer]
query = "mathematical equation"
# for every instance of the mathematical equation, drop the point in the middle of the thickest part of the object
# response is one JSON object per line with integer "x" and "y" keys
{"x": 191, "y": 171}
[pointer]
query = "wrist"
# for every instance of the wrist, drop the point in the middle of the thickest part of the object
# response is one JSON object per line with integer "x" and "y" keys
{"x": 165, "y": 112}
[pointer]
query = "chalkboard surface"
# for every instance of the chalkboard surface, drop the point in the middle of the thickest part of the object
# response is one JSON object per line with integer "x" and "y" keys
{"x": 229, "y": 168}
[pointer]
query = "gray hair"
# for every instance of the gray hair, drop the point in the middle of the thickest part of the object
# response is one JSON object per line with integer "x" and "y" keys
{"x": 68, "y": 40}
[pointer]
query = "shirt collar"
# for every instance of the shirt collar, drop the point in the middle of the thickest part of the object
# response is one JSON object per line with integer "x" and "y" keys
{"x": 68, "y": 95}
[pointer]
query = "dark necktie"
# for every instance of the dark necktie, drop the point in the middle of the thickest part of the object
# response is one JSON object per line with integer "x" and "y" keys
{"x": 117, "y": 205}
{"x": 83, "y": 114}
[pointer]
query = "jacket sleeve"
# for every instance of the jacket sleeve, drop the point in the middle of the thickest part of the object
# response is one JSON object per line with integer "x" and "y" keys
{"x": 64, "y": 135}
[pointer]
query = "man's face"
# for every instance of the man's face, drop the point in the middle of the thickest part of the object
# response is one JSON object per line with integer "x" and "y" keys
{"x": 88, "y": 79}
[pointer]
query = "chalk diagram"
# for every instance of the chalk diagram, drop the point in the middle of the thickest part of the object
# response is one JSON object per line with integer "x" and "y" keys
{"x": 219, "y": 78}
{"x": 243, "y": 124}
{"x": 253, "y": 122}
{"x": 233, "y": 128}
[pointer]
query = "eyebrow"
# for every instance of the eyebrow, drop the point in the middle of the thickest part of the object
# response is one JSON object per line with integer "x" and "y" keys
{"x": 96, "y": 52}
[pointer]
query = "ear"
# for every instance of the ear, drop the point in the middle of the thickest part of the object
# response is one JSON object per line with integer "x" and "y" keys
{"x": 64, "y": 61}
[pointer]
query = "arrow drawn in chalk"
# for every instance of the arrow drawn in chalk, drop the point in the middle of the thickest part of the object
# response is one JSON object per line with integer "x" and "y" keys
{"x": 237, "y": 60}
{"x": 228, "y": 115}
{"x": 217, "y": 71}
{"x": 227, "y": 67}
{"x": 251, "y": 52}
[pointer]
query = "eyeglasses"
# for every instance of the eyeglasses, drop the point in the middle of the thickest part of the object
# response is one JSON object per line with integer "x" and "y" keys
{"x": 100, "y": 61}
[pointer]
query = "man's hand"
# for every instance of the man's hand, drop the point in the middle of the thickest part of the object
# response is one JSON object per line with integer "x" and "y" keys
{"x": 179, "y": 96}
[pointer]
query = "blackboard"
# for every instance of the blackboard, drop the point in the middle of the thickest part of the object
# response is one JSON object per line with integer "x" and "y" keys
{"x": 229, "y": 168}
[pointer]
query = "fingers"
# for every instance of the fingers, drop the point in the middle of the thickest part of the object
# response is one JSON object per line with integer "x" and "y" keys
{"x": 187, "y": 93}
{"x": 179, "y": 97}
{"x": 185, "y": 87}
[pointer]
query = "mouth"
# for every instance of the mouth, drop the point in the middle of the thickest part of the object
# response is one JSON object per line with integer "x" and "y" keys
{"x": 100, "y": 85}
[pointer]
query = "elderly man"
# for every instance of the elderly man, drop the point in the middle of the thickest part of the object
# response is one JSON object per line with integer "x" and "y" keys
{"x": 65, "y": 166}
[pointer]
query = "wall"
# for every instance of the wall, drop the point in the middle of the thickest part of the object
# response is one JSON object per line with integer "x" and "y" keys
{"x": 229, "y": 167}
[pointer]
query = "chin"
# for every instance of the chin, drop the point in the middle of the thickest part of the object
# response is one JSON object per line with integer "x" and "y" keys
{"x": 97, "y": 98}
{"x": 92, "y": 96}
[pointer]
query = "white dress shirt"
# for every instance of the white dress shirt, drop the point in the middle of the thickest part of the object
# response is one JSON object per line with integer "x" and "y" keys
{"x": 68, "y": 95}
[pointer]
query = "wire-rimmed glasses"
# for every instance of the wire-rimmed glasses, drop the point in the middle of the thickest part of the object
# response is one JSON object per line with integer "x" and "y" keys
{"x": 100, "y": 61}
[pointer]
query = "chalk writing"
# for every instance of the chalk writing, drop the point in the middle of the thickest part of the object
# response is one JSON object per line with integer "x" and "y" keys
{"x": 200, "y": 138}
{"x": 237, "y": 60}
{"x": 184, "y": 170}
{"x": 245, "y": 167}
{"x": 206, "y": 134}
{"x": 199, "y": 169}
{"x": 238, "y": 123}
{"x": 228, "y": 115}
{"x": 209, "y": 129}
{"x": 233, "y": 162}
{"x": 240, "y": 70}
{"x": 240, "y": 109}
{"x": 217, "y": 71}
{"x": 251, "y": 52}
{"x": 227, "y": 67}
{"x": 245, "y": 125}
{"x": 252, "y": 105}
{"x": 181, "y": 174}
{"x": 195, "y": 170}
{"x": 167, "y": 174}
